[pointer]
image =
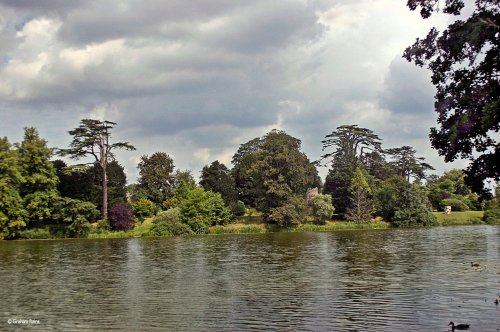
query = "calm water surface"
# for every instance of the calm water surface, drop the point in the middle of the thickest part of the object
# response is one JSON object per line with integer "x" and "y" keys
{"x": 390, "y": 280}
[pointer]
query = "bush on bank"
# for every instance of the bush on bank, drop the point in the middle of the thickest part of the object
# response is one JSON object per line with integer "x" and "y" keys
{"x": 492, "y": 216}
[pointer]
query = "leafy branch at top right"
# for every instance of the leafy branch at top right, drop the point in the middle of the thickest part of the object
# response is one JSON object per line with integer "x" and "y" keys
{"x": 465, "y": 62}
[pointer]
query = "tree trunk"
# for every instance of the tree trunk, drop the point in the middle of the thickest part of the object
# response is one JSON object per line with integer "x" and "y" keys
{"x": 104, "y": 210}
{"x": 103, "y": 162}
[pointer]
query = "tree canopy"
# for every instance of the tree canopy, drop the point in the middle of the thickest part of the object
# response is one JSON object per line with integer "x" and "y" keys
{"x": 361, "y": 204}
{"x": 406, "y": 164}
{"x": 44, "y": 198}
{"x": 34, "y": 160}
{"x": 350, "y": 141}
{"x": 85, "y": 182}
{"x": 39, "y": 188}
{"x": 12, "y": 214}
{"x": 285, "y": 173}
{"x": 217, "y": 178}
{"x": 465, "y": 63}
{"x": 156, "y": 176}
{"x": 91, "y": 138}
{"x": 352, "y": 146}
{"x": 202, "y": 208}
{"x": 247, "y": 184}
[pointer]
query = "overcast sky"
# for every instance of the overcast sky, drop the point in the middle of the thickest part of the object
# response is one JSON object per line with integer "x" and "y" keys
{"x": 196, "y": 79}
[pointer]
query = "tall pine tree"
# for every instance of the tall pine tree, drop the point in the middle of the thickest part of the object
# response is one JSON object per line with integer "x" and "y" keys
{"x": 12, "y": 213}
{"x": 361, "y": 203}
{"x": 39, "y": 188}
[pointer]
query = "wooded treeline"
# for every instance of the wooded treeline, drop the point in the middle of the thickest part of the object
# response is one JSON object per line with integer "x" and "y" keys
{"x": 269, "y": 176}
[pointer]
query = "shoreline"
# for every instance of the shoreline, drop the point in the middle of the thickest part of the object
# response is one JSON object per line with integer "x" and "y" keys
{"x": 253, "y": 225}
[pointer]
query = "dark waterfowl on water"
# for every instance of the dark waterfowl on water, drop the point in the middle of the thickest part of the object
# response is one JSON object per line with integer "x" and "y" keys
{"x": 458, "y": 326}
{"x": 496, "y": 301}
{"x": 474, "y": 264}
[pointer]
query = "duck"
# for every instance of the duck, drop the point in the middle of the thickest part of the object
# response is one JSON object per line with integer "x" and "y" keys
{"x": 474, "y": 264}
{"x": 496, "y": 301}
{"x": 458, "y": 326}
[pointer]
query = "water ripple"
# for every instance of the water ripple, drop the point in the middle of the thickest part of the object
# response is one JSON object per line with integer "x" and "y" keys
{"x": 391, "y": 280}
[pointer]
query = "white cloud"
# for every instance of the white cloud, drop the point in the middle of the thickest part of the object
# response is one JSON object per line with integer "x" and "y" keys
{"x": 196, "y": 79}
{"x": 109, "y": 112}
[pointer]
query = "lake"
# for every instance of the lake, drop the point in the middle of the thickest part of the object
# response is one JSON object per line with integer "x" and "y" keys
{"x": 378, "y": 280}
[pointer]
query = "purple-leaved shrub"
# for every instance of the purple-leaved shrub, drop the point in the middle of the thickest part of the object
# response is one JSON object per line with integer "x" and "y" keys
{"x": 120, "y": 217}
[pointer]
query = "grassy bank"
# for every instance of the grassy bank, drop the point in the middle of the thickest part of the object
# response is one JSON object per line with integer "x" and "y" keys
{"x": 239, "y": 228}
{"x": 328, "y": 227}
{"x": 246, "y": 225}
{"x": 460, "y": 218}
{"x": 340, "y": 226}
{"x": 253, "y": 224}
{"x": 140, "y": 230}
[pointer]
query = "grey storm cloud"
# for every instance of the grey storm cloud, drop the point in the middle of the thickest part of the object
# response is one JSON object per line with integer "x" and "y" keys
{"x": 197, "y": 78}
{"x": 174, "y": 113}
{"x": 237, "y": 25}
{"x": 407, "y": 89}
{"x": 46, "y": 7}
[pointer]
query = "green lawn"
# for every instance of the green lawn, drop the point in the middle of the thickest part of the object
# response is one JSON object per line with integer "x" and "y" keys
{"x": 460, "y": 218}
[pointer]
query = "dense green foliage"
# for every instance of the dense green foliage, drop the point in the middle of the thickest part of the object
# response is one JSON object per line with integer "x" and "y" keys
{"x": 492, "y": 216}
{"x": 406, "y": 164}
{"x": 34, "y": 161}
{"x": 39, "y": 186}
{"x": 361, "y": 205}
{"x": 116, "y": 187}
{"x": 76, "y": 182}
{"x": 291, "y": 212}
{"x": 34, "y": 234}
{"x": 169, "y": 223}
{"x": 455, "y": 204}
{"x": 12, "y": 214}
{"x": 412, "y": 208}
{"x": 285, "y": 173}
{"x": 171, "y": 229}
{"x": 449, "y": 184}
{"x": 201, "y": 209}
{"x": 184, "y": 182}
{"x": 143, "y": 208}
{"x": 238, "y": 208}
{"x": 377, "y": 166}
{"x": 29, "y": 195}
{"x": 73, "y": 217}
{"x": 41, "y": 207}
{"x": 217, "y": 178}
{"x": 44, "y": 198}
{"x": 464, "y": 63}
{"x": 84, "y": 182}
{"x": 156, "y": 176}
{"x": 364, "y": 184}
{"x": 403, "y": 203}
{"x": 352, "y": 146}
{"x": 451, "y": 187}
{"x": 337, "y": 184}
{"x": 247, "y": 184}
{"x": 273, "y": 175}
{"x": 322, "y": 208}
